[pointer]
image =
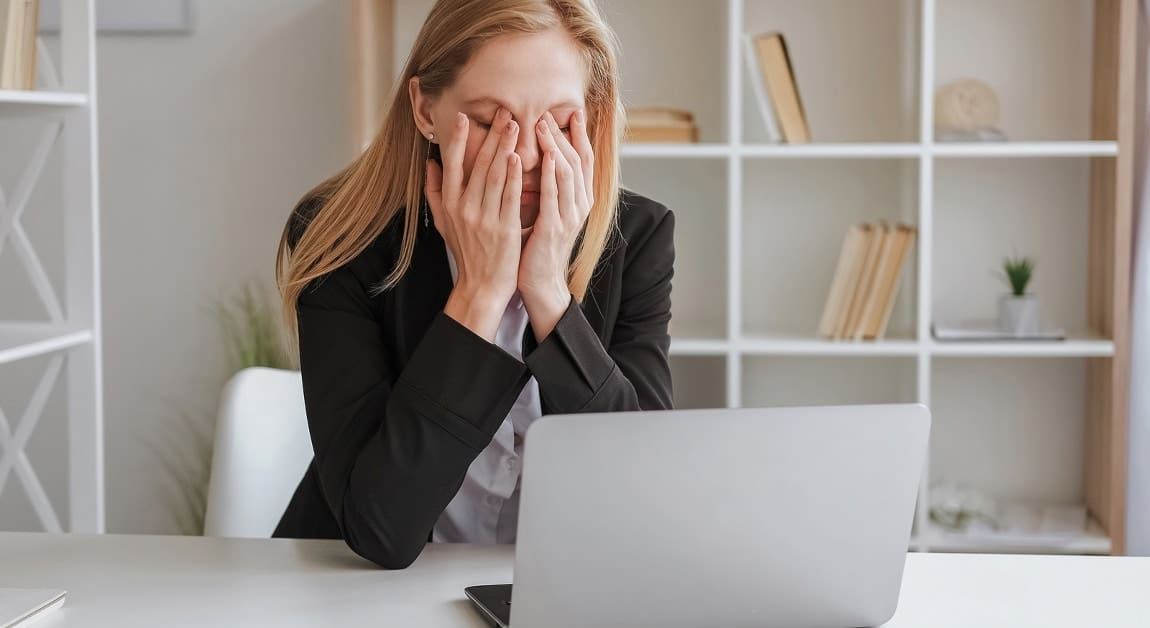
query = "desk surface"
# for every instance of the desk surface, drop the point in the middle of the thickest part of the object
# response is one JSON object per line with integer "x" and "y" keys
{"x": 193, "y": 581}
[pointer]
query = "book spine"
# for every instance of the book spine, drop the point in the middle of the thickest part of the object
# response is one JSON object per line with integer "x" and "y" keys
{"x": 906, "y": 242}
{"x": 854, "y": 281}
{"x": 759, "y": 87}
{"x": 31, "y": 28}
{"x": 837, "y": 293}
{"x": 12, "y": 23}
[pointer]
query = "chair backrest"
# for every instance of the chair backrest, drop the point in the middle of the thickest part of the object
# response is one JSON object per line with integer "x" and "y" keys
{"x": 262, "y": 449}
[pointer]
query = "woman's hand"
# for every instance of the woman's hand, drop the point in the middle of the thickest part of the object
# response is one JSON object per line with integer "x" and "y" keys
{"x": 565, "y": 199}
{"x": 480, "y": 222}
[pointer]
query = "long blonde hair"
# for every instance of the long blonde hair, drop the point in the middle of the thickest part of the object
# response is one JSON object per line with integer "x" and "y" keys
{"x": 358, "y": 203}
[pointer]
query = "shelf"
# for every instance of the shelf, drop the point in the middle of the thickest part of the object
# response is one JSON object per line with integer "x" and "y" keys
{"x": 863, "y": 150}
{"x": 874, "y": 150}
{"x": 1025, "y": 149}
{"x": 19, "y": 341}
{"x": 1084, "y": 346}
{"x": 22, "y": 103}
{"x": 696, "y": 346}
{"x": 669, "y": 150}
{"x": 1092, "y": 540}
{"x": 795, "y": 345}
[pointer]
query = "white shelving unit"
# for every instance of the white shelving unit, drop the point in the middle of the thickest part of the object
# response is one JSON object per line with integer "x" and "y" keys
{"x": 759, "y": 225}
{"x": 764, "y": 353}
{"x": 64, "y": 111}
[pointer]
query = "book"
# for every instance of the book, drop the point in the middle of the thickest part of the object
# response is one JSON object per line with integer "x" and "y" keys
{"x": 906, "y": 238}
{"x": 11, "y": 21}
{"x": 774, "y": 63}
{"x": 865, "y": 284}
{"x": 837, "y": 299}
{"x": 19, "y": 24}
{"x": 660, "y": 124}
{"x": 865, "y": 281}
{"x": 29, "y": 33}
{"x": 884, "y": 266}
{"x": 759, "y": 87}
{"x": 854, "y": 275}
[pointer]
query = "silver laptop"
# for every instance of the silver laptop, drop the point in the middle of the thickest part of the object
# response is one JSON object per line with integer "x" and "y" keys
{"x": 753, "y": 517}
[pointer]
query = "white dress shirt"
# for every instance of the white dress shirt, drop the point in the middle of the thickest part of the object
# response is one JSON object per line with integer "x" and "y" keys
{"x": 486, "y": 508}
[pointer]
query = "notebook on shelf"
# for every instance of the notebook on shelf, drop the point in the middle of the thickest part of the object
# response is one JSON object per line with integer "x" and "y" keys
{"x": 18, "y": 607}
{"x": 975, "y": 329}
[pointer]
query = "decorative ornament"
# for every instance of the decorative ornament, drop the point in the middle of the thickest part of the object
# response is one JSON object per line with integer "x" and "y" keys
{"x": 967, "y": 110}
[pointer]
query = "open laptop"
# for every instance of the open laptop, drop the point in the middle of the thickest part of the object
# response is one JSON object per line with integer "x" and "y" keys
{"x": 751, "y": 517}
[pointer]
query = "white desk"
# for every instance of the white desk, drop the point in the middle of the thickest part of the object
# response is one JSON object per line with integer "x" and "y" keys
{"x": 191, "y": 581}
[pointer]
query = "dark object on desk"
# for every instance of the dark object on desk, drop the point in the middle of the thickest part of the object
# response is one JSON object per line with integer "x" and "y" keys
{"x": 493, "y": 602}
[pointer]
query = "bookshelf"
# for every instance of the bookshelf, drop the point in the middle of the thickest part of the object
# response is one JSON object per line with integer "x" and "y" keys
{"x": 759, "y": 226}
{"x": 52, "y": 345}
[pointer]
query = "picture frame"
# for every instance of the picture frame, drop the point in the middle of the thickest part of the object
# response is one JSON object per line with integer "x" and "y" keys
{"x": 136, "y": 17}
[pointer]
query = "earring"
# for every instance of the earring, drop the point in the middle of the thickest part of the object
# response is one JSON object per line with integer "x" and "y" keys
{"x": 426, "y": 209}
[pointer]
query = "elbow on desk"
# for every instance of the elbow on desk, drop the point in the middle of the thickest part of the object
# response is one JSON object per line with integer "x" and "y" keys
{"x": 384, "y": 554}
{"x": 386, "y": 551}
{"x": 387, "y": 558}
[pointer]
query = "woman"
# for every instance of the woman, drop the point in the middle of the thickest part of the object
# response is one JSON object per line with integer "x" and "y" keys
{"x": 475, "y": 268}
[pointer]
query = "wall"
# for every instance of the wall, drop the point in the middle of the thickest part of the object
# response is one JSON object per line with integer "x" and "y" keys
{"x": 206, "y": 141}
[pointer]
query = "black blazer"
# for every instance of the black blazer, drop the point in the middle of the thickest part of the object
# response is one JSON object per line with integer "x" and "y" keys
{"x": 401, "y": 399}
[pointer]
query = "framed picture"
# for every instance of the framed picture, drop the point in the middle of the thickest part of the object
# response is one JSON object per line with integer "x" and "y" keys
{"x": 127, "y": 16}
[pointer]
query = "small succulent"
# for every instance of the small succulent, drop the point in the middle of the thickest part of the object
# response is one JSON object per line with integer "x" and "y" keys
{"x": 1018, "y": 272}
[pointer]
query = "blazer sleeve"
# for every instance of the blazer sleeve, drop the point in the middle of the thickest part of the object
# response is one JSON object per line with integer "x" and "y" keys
{"x": 392, "y": 449}
{"x": 577, "y": 374}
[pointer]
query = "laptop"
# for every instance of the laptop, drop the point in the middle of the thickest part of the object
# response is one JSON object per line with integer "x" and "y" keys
{"x": 19, "y": 607}
{"x": 744, "y": 517}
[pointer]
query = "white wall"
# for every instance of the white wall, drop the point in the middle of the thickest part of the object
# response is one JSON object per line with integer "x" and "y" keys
{"x": 206, "y": 141}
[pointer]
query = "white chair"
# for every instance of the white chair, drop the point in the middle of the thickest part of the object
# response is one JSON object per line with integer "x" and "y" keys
{"x": 262, "y": 449}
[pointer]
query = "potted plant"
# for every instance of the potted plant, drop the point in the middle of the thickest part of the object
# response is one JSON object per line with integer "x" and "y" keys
{"x": 251, "y": 338}
{"x": 1018, "y": 310}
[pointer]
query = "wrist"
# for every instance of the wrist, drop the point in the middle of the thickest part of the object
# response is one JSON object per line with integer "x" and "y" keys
{"x": 545, "y": 308}
{"x": 476, "y": 309}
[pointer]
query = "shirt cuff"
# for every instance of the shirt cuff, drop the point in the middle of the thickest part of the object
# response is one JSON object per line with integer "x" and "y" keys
{"x": 570, "y": 364}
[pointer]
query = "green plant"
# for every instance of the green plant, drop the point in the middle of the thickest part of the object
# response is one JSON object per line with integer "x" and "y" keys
{"x": 251, "y": 337}
{"x": 1018, "y": 272}
{"x": 184, "y": 454}
{"x": 251, "y": 332}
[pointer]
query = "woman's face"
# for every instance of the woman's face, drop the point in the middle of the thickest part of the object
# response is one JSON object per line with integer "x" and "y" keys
{"x": 529, "y": 75}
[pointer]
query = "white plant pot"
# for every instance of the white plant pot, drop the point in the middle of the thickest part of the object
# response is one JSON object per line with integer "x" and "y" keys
{"x": 1018, "y": 316}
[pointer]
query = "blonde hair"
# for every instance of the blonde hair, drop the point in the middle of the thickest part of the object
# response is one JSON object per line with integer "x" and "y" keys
{"x": 355, "y": 206}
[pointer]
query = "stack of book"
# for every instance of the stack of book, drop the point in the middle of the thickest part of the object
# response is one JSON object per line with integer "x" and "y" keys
{"x": 773, "y": 81}
{"x": 19, "y": 24}
{"x": 866, "y": 281}
{"x": 660, "y": 124}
